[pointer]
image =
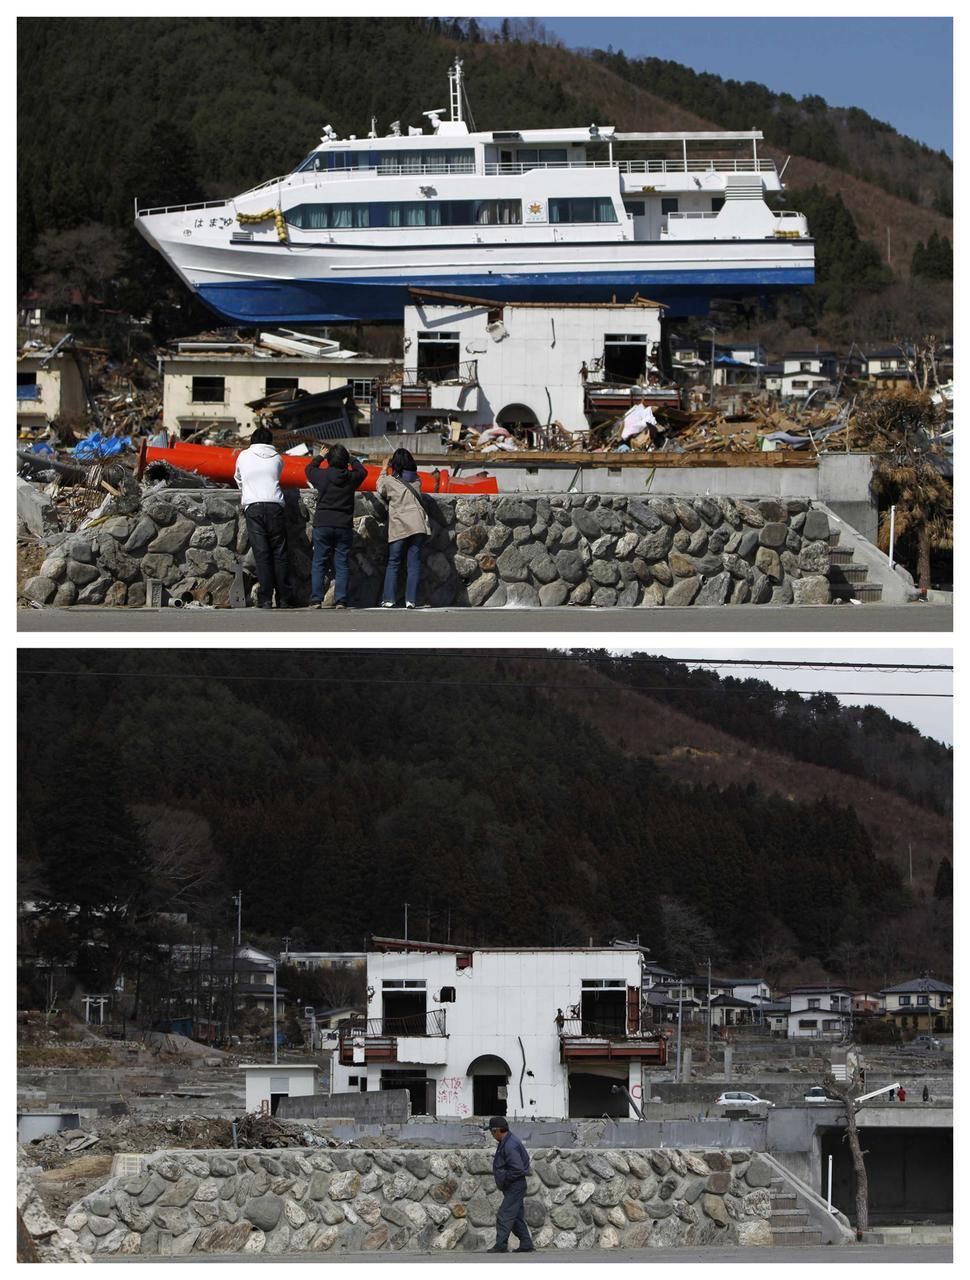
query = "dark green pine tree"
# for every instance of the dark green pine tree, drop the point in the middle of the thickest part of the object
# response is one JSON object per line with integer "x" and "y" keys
{"x": 943, "y": 888}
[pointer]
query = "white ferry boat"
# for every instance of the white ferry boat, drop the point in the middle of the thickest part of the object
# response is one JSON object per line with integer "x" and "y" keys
{"x": 534, "y": 215}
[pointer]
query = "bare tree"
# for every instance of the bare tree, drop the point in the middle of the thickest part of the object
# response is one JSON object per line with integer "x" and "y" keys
{"x": 847, "y": 1093}
{"x": 179, "y": 846}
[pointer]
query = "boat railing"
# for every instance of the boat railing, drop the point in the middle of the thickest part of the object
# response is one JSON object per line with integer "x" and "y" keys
{"x": 180, "y": 208}
{"x": 680, "y": 217}
{"x": 463, "y": 168}
{"x": 638, "y": 166}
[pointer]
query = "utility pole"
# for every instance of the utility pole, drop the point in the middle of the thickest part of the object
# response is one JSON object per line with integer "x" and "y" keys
{"x": 406, "y": 905}
{"x": 275, "y": 1036}
{"x": 680, "y": 1020}
{"x": 237, "y": 899}
{"x": 708, "y": 1008}
{"x": 713, "y": 333}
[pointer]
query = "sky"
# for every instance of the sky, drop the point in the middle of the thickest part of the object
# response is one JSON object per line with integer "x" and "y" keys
{"x": 933, "y": 716}
{"x": 898, "y": 69}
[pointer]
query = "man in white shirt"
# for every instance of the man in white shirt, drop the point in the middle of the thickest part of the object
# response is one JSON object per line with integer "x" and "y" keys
{"x": 258, "y": 471}
{"x": 638, "y": 418}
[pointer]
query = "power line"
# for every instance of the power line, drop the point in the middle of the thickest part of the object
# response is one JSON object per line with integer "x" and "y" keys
{"x": 467, "y": 684}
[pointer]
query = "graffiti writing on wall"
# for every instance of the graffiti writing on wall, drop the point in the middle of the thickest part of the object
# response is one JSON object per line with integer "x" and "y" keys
{"x": 449, "y": 1096}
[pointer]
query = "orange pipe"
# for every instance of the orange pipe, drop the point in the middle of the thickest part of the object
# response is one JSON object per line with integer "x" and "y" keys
{"x": 220, "y": 464}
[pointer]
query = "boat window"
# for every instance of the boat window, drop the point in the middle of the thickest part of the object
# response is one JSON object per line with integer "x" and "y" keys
{"x": 717, "y": 204}
{"x": 540, "y": 155}
{"x": 582, "y": 209}
{"x": 636, "y": 207}
{"x": 324, "y": 217}
{"x": 452, "y": 161}
{"x": 669, "y": 204}
{"x": 454, "y": 213}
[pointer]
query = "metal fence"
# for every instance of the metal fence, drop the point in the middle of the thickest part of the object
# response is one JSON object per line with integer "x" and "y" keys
{"x": 432, "y": 1023}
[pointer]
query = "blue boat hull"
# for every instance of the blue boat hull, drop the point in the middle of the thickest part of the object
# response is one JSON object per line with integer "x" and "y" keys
{"x": 384, "y": 299}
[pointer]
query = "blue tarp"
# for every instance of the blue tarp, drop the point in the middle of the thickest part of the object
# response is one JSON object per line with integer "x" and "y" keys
{"x": 97, "y": 446}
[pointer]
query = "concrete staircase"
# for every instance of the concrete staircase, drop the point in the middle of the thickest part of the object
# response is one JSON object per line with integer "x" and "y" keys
{"x": 790, "y": 1225}
{"x": 859, "y": 570}
{"x": 849, "y": 579}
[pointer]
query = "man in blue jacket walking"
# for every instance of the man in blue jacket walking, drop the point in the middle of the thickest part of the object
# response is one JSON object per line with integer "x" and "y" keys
{"x": 510, "y": 1167}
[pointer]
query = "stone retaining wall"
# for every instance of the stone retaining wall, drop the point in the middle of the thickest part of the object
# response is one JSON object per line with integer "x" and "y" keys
{"x": 523, "y": 551}
{"x": 296, "y": 1201}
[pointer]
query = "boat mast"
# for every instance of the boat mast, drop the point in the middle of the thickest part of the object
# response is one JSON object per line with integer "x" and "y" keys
{"x": 454, "y": 84}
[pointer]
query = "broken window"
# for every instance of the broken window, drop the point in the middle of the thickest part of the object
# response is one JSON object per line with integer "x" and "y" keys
{"x": 208, "y": 390}
{"x": 405, "y": 1011}
{"x": 281, "y": 384}
{"x": 420, "y": 1089}
{"x": 603, "y": 1007}
{"x": 438, "y": 356}
{"x": 624, "y": 357}
{"x": 27, "y": 388}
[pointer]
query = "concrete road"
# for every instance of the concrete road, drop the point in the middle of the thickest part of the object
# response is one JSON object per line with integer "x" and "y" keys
{"x": 389, "y": 622}
{"x": 907, "y": 1255}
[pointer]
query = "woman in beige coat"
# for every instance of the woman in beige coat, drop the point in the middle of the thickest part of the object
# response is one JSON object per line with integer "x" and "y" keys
{"x": 408, "y": 527}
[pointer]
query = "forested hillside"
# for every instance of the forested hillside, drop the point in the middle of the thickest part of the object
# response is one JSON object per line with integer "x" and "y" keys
{"x": 336, "y": 787}
{"x": 188, "y": 108}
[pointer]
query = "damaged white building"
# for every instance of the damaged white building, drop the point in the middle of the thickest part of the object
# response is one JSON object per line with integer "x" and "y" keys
{"x": 480, "y": 1031}
{"x": 540, "y": 367}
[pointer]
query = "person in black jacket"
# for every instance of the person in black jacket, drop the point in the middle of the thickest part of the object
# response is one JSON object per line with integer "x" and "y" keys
{"x": 510, "y": 1167}
{"x": 333, "y": 522}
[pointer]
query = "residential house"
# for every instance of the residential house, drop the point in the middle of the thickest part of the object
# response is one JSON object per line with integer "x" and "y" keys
{"x": 332, "y": 961}
{"x": 218, "y": 386}
{"x": 521, "y": 366}
{"x": 806, "y": 371}
{"x": 889, "y": 367}
{"x": 50, "y": 384}
{"x": 921, "y": 1004}
{"x": 819, "y": 1013}
{"x": 773, "y": 374}
{"x": 551, "y": 1032}
{"x": 750, "y": 989}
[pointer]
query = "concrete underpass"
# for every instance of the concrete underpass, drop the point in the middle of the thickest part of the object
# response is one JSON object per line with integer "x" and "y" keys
{"x": 908, "y": 1154}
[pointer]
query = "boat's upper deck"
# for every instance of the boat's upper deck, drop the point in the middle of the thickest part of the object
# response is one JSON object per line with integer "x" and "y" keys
{"x": 672, "y": 158}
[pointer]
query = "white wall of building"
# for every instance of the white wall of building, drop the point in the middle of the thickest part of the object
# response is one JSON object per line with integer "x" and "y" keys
{"x": 531, "y": 357}
{"x": 59, "y": 389}
{"x": 505, "y": 1006}
{"x": 293, "y": 1080}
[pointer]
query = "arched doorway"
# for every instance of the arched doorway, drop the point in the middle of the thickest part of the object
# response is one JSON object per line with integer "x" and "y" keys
{"x": 490, "y": 1081}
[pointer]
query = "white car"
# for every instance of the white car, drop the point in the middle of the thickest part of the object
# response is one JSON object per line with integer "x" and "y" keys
{"x": 818, "y": 1094}
{"x": 738, "y": 1098}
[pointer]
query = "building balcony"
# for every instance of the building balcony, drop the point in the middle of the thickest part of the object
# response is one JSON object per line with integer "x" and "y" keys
{"x": 451, "y": 387}
{"x": 415, "y": 1038}
{"x": 613, "y": 398}
{"x": 580, "y": 1039}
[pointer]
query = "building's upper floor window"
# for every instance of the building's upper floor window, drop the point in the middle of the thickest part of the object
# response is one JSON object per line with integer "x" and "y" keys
{"x": 208, "y": 390}
{"x": 905, "y": 1000}
{"x": 814, "y": 1003}
{"x": 27, "y": 388}
{"x": 281, "y": 384}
